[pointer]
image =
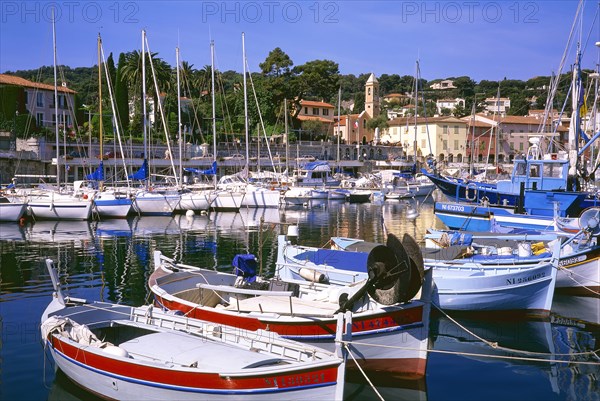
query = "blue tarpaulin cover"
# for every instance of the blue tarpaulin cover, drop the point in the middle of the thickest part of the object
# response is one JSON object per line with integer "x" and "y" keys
{"x": 210, "y": 171}
{"x": 142, "y": 173}
{"x": 97, "y": 175}
{"x": 245, "y": 265}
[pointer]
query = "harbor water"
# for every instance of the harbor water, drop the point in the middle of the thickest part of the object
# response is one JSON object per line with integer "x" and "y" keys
{"x": 111, "y": 261}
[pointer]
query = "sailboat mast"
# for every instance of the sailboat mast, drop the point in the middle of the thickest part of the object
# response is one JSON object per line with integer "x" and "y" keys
{"x": 101, "y": 123}
{"x": 55, "y": 100}
{"x": 212, "y": 91}
{"x": 287, "y": 139}
{"x": 473, "y": 149}
{"x": 416, "y": 110}
{"x": 144, "y": 116}
{"x": 245, "y": 101}
{"x": 179, "y": 116}
{"x": 338, "y": 125}
{"x": 576, "y": 97}
{"x": 214, "y": 108}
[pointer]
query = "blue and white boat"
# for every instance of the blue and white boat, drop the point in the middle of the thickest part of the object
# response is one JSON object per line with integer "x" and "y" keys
{"x": 549, "y": 174}
{"x": 466, "y": 286}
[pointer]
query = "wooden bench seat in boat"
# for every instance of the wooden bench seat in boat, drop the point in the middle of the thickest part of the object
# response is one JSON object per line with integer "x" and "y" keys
{"x": 284, "y": 306}
{"x": 180, "y": 349}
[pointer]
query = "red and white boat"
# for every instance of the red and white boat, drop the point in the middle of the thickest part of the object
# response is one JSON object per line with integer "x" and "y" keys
{"x": 128, "y": 353}
{"x": 390, "y": 337}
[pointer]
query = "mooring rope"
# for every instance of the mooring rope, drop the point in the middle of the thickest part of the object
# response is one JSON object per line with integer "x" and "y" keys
{"x": 345, "y": 344}
{"x": 596, "y": 353}
{"x": 571, "y": 273}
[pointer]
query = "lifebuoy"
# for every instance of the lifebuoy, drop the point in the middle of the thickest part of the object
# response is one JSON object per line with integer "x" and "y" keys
{"x": 473, "y": 187}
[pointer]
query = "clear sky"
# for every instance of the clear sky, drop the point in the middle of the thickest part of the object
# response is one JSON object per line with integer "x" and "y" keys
{"x": 480, "y": 39}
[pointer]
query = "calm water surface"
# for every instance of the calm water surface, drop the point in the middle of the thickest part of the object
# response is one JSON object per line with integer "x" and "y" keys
{"x": 110, "y": 261}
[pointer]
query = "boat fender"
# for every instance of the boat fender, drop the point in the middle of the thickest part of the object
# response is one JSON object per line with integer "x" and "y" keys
{"x": 84, "y": 196}
{"x": 538, "y": 248}
{"x": 116, "y": 351}
{"x": 524, "y": 249}
{"x": 505, "y": 251}
{"x": 312, "y": 275}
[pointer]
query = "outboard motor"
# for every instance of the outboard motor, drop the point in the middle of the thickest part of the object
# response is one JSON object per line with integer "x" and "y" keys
{"x": 399, "y": 275}
{"x": 395, "y": 273}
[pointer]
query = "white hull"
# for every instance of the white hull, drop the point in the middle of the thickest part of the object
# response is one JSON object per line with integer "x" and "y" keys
{"x": 495, "y": 288}
{"x": 196, "y": 200}
{"x": 111, "y": 207}
{"x": 226, "y": 200}
{"x": 297, "y": 196}
{"x": 385, "y": 352}
{"x": 580, "y": 276}
{"x": 63, "y": 209}
{"x": 12, "y": 211}
{"x": 155, "y": 203}
{"x": 261, "y": 197}
{"x": 123, "y": 388}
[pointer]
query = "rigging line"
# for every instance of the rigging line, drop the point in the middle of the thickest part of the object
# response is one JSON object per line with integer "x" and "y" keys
{"x": 362, "y": 371}
{"x": 262, "y": 123}
{"x": 162, "y": 113}
{"x": 554, "y": 83}
{"x": 595, "y": 353}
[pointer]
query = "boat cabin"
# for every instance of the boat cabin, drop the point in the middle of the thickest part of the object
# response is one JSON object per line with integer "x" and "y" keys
{"x": 317, "y": 173}
{"x": 542, "y": 174}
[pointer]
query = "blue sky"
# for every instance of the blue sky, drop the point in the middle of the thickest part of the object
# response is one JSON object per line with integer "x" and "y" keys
{"x": 480, "y": 39}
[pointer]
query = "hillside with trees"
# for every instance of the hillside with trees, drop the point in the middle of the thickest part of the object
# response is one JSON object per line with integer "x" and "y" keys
{"x": 278, "y": 79}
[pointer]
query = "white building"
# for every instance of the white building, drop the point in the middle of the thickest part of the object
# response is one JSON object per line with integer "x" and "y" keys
{"x": 444, "y": 84}
{"x": 498, "y": 105}
{"x": 449, "y": 104}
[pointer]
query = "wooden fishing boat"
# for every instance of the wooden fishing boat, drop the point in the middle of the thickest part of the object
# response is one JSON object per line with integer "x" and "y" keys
{"x": 578, "y": 265}
{"x": 460, "y": 285}
{"x": 131, "y": 353}
{"x": 389, "y": 325}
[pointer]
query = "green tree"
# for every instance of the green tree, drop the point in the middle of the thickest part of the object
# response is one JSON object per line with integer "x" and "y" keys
{"x": 277, "y": 63}
{"x": 380, "y": 122}
{"x": 359, "y": 102}
{"x": 519, "y": 106}
{"x": 110, "y": 66}
{"x": 122, "y": 94}
{"x": 318, "y": 79}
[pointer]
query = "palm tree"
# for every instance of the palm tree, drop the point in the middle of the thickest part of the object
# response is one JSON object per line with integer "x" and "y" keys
{"x": 132, "y": 72}
{"x": 188, "y": 75}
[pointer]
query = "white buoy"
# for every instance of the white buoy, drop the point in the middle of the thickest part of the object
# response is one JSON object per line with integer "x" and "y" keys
{"x": 189, "y": 213}
{"x": 292, "y": 231}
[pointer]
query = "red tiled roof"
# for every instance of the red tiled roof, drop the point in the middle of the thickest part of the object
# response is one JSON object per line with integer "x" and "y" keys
{"x": 313, "y": 103}
{"x": 18, "y": 81}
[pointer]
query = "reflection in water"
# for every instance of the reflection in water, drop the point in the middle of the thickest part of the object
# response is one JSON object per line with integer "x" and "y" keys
{"x": 111, "y": 260}
{"x": 549, "y": 351}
